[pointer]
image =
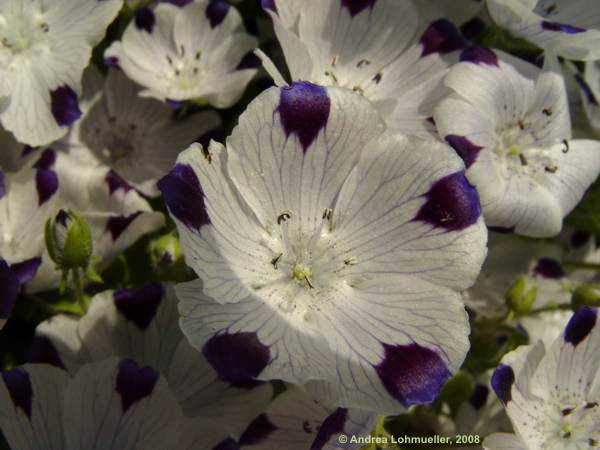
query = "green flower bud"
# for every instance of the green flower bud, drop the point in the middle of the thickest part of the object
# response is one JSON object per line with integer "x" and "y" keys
{"x": 69, "y": 240}
{"x": 586, "y": 295}
{"x": 521, "y": 295}
{"x": 167, "y": 258}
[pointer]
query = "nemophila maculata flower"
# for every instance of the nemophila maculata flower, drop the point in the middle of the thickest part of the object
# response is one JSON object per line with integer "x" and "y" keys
{"x": 44, "y": 48}
{"x": 569, "y": 28}
{"x": 510, "y": 123}
{"x": 188, "y": 51}
{"x": 371, "y": 47}
{"x": 137, "y": 137}
{"x": 329, "y": 251}
{"x": 142, "y": 324}
{"x": 552, "y": 396}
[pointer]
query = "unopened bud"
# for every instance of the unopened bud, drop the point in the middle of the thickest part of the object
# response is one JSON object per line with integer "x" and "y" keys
{"x": 69, "y": 240}
{"x": 586, "y": 295}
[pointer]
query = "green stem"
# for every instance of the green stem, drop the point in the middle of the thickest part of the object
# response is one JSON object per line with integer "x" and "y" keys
{"x": 78, "y": 289}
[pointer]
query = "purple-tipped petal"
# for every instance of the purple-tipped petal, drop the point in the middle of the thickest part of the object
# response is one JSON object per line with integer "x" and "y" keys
{"x": 479, "y": 396}
{"x": 227, "y": 444}
{"x": 258, "y": 431}
{"x": 452, "y": 203}
{"x": 238, "y": 356}
{"x": 18, "y": 384}
{"x": 183, "y": 195}
{"x": 269, "y": 5}
{"x": 115, "y": 182}
{"x": 479, "y": 55}
{"x": 587, "y": 90}
{"x": 332, "y": 425}
{"x": 561, "y": 27}
{"x": 580, "y": 325}
{"x": 144, "y": 19}
{"x": 43, "y": 351}
{"x": 9, "y": 289}
{"x": 46, "y": 183}
{"x": 412, "y": 374}
{"x": 139, "y": 305}
{"x": 216, "y": 11}
{"x": 441, "y": 37}
{"x": 304, "y": 110}
{"x": 465, "y": 148}
{"x": 118, "y": 224}
{"x": 46, "y": 160}
{"x": 502, "y": 381}
{"x": 355, "y": 7}
{"x": 134, "y": 383}
{"x": 64, "y": 105}
{"x": 26, "y": 270}
{"x": 112, "y": 61}
{"x": 549, "y": 268}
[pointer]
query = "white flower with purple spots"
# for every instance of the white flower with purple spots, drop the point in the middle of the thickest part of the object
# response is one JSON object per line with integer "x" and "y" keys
{"x": 510, "y": 123}
{"x": 569, "y": 28}
{"x": 137, "y": 137}
{"x": 142, "y": 324}
{"x": 552, "y": 396}
{"x": 327, "y": 250}
{"x": 44, "y": 48}
{"x": 373, "y": 47}
{"x": 188, "y": 50}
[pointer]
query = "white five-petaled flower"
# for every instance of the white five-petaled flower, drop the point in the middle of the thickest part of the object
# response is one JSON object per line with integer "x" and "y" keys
{"x": 185, "y": 52}
{"x": 552, "y": 396}
{"x": 44, "y": 48}
{"x": 569, "y": 28}
{"x": 510, "y": 123}
{"x": 376, "y": 48}
{"x": 335, "y": 251}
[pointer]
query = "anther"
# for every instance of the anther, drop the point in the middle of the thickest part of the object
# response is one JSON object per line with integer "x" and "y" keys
{"x": 363, "y": 62}
{"x": 284, "y": 217}
{"x": 208, "y": 156}
{"x": 547, "y": 111}
{"x": 327, "y": 214}
{"x": 551, "y": 169}
{"x": 566, "y": 144}
{"x": 275, "y": 260}
{"x": 522, "y": 159}
{"x": 377, "y": 78}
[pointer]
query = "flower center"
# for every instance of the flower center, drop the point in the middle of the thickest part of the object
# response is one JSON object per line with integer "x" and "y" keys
{"x": 23, "y": 36}
{"x": 185, "y": 67}
{"x": 112, "y": 142}
{"x": 579, "y": 425}
{"x": 359, "y": 76}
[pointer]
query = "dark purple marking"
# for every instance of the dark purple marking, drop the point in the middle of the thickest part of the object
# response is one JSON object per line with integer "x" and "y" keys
{"x": 441, "y": 37}
{"x": 112, "y": 61}
{"x": 116, "y": 225}
{"x": 174, "y": 104}
{"x": 258, "y": 430}
{"x": 183, "y": 195}
{"x": 26, "y": 270}
{"x": 473, "y": 28}
{"x": 115, "y": 182}
{"x": 412, "y": 374}
{"x": 269, "y": 5}
{"x": 43, "y": 351}
{"x": 249, "y": 61}
{"x": 64, "y": 105}
{"x": 180, "y": 3}
{"x": 355, "y": 7}
{"x": 465, "y": 148}
{"x": 2, "y": 188}
{"x": 563, "y": 28}
{"x": 227, "y": 444}
{"x": 579, "y": 239}
{"x": 238, "y": 356}
{"x": 502, "y": 381}
{"x": 479, "y": 55}
{"x": 9, "y": 289}
{"x": 452, "y": 203}
{"x": 144, "y": 19}
{"x": 548, "y": 268}
{"x": 46, "y": 160}
{"x": 304, "y": 109}
{"x": 18, "y": 384}
{"x": 139, "y": 305}
{"x": 46, "y": 183}
{"x": 216, "y": 11}
{"x": 134, "y": 383}
{"x": 332, "y": 425}
{"x": 479, "y": 396}
{"x": 587, "y": 90}
{"x": 580, "y": 325}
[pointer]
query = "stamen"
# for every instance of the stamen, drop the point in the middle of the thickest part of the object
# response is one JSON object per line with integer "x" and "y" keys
{"x": 282, "y": 221}
{"x": 551, "y": 169}
{"x": 547, "y": 111}
{"x": 377, "y": 78}
{"x": 332, "y": 75}
{"x": 334, "y": 60}
{"x": 326, "y": 217}
{"x": 522, "y": 159}
{"x": 275, "y": 260}
{"x": 363, "y": 62}
{"x": 566, "y": 143}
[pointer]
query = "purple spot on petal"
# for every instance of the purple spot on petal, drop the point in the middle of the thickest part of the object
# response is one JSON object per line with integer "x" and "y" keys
{"x": 502, "y": 381}
{"x": 46, "y": 160}
{"x": 304, "y": 110}
{"x": 412, "y": 374}
{"x": 180, "y": 3}
{"x": 134, "y": 383}
{"x": 332, "y": 425}
{"x": 564, "y": 28}
{"x": 9, "y": 289}
{"x": 227, "y": 444}
{"x": 355, "y": 7}
{"x": 548, "y": 268}
{"x": 26, "y": 270}
{"x": 238, "y": 356}
{"x": 183, "y": 195}
{"x": 579, "y": 239}
{"x": 269, "y": 4}
{"x": 18, "y": 384}
{"x": 46, "y": 183}
{"x": 580, "y": 325}
{"x": 465, "y": 148}
{"x": 64, "y": 105}
{"x": 479, "y": 396}
{"x": 139, "y": 305}
{"x": 115, "y": 182}
{"x": 43, "y": 351}
{"x": 144, "y": 19}
{"x": 258, "y": 430}
{"x": 441, "y": 37}
{"x": 116, "y": 225}
{"x": 587, "y": 90}
{"x": 479, "y": 55}
{"x": 216, "y": 11}
{"x": 2, "y": 188}
{"x": 112, "y": 61}
{"x": 452, "y": 203}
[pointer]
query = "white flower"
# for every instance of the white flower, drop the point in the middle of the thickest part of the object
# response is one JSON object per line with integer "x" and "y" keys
{"x": 334, "y": 253}
{"x": 510, "y": 123}
{"x": 569, "y": 28}
{"x": 372, "y": 47}
{"x": 553, "y": 396}
{"x": 44, "y": 48}
{"x": 136, "y": 137}
{"x": 192, "y": 51}
{"x": 108, "y": 404}
{"x": 141, "y": 324}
